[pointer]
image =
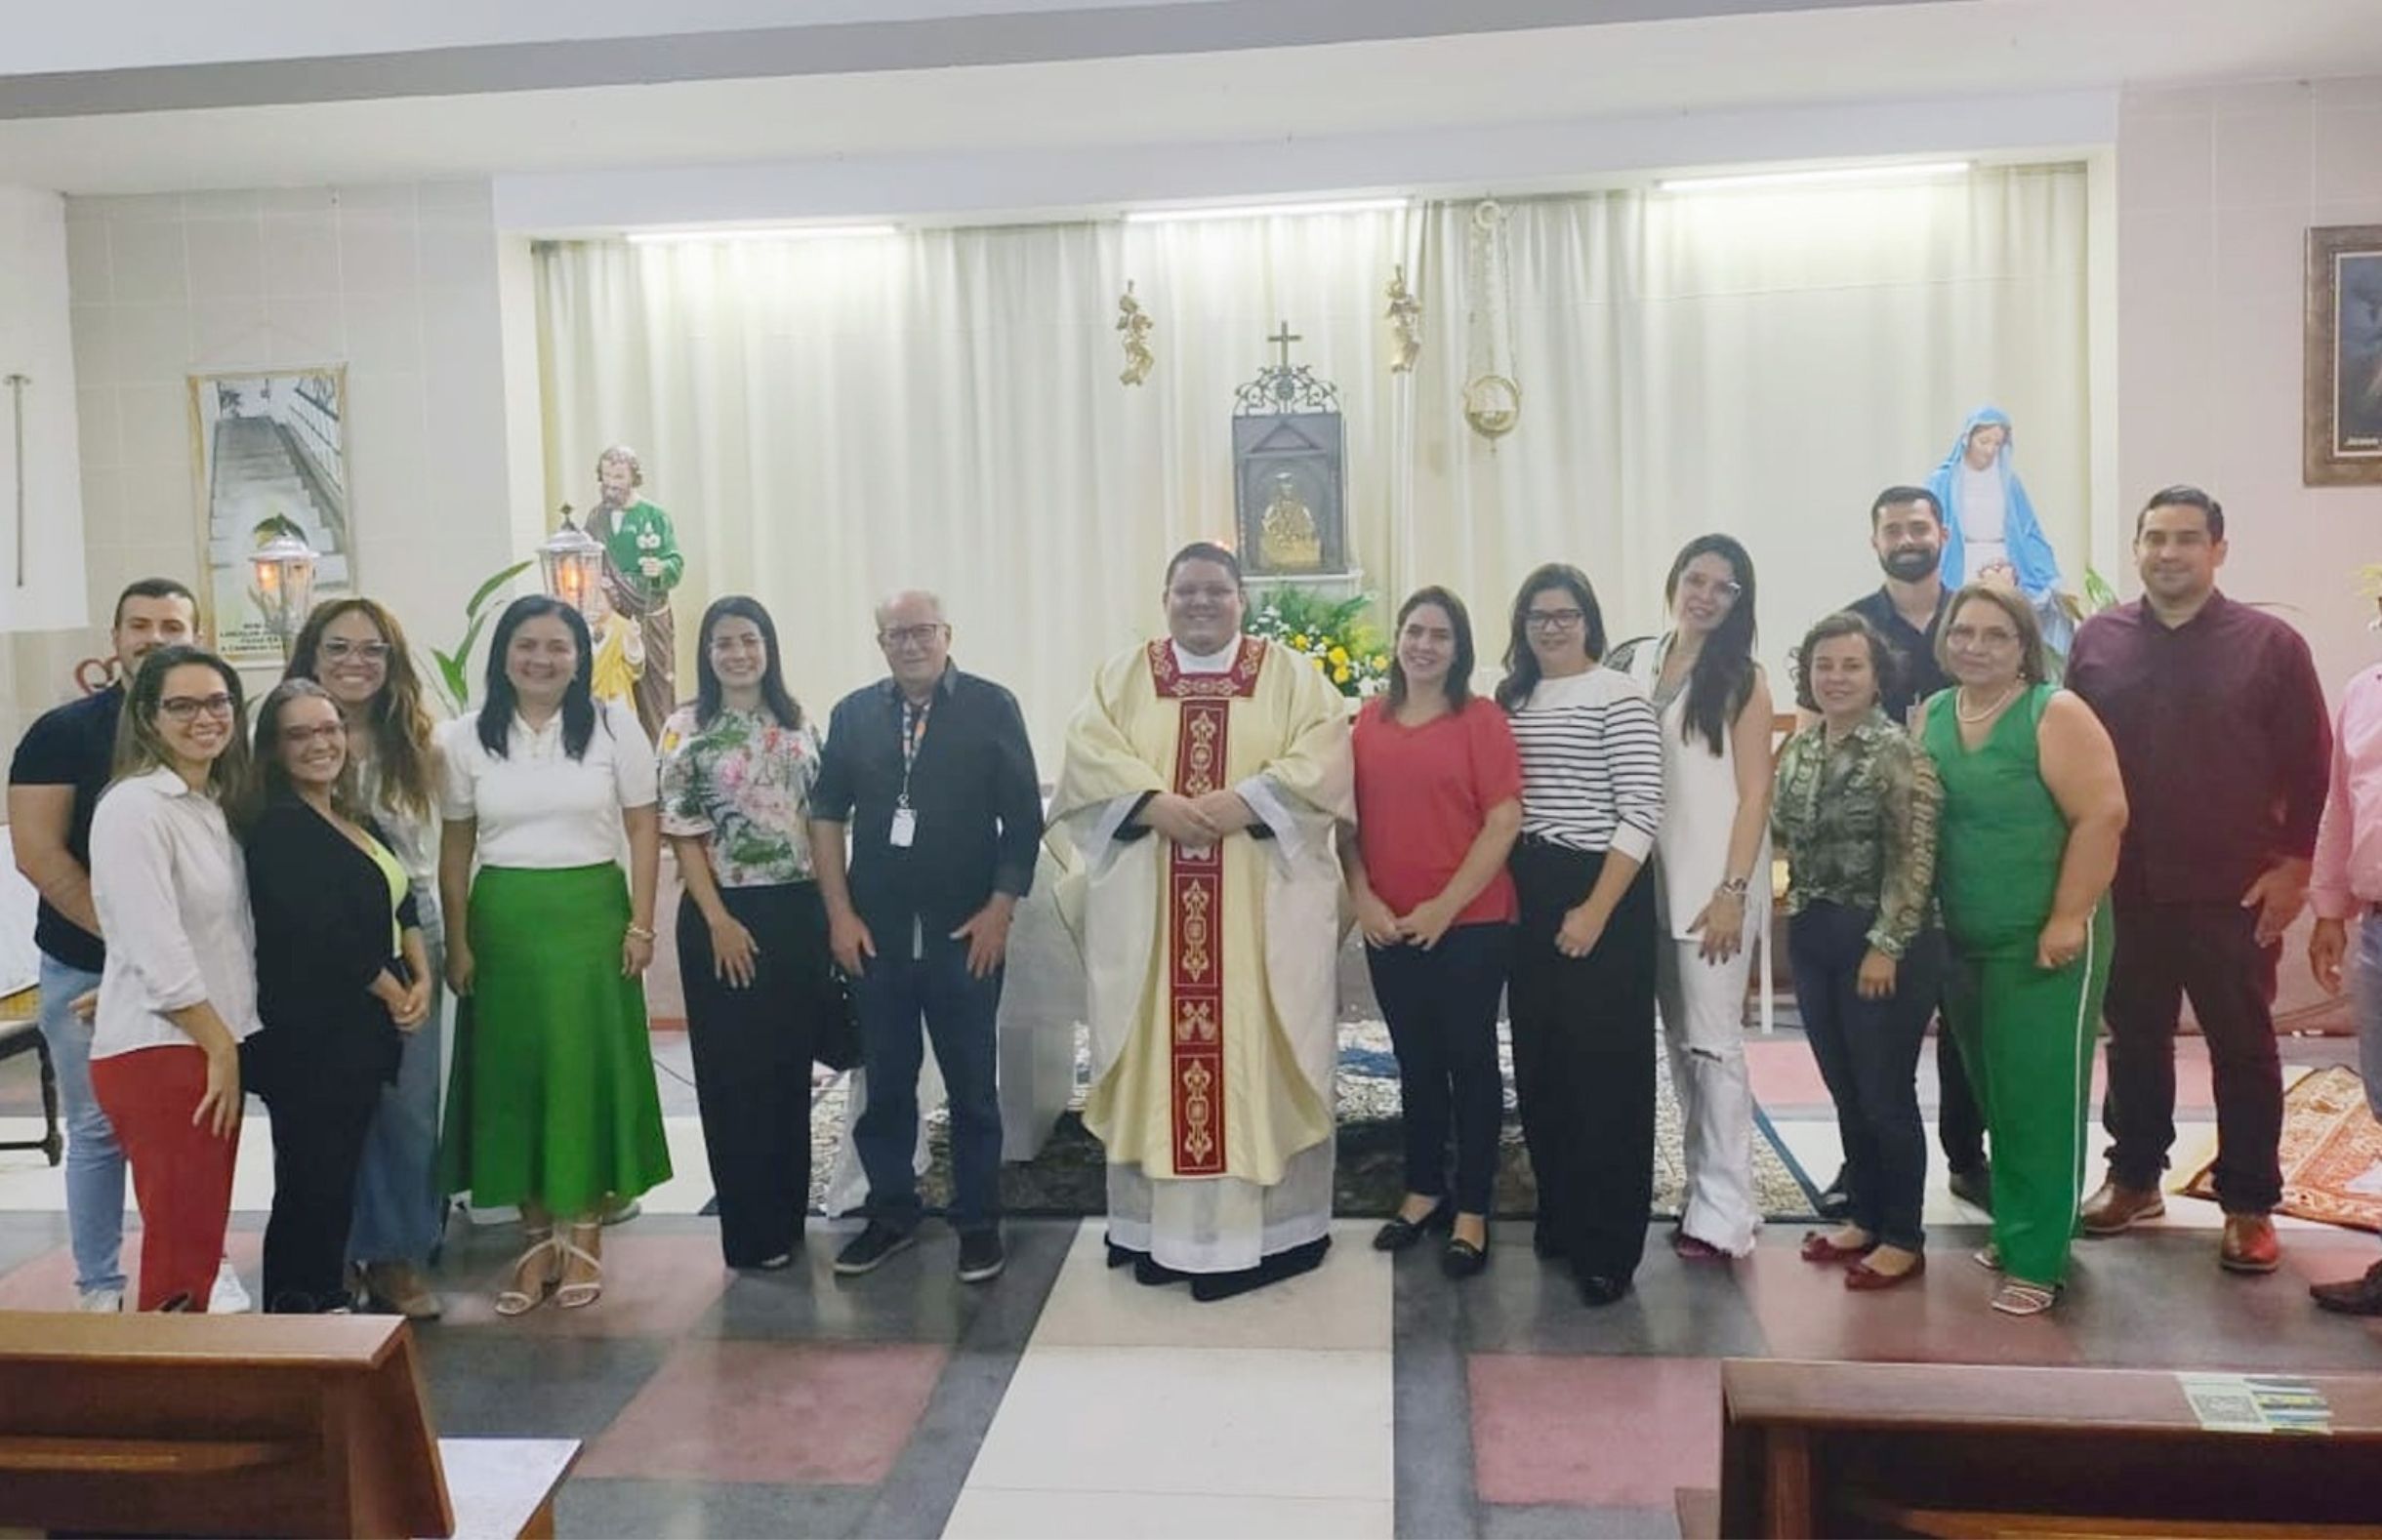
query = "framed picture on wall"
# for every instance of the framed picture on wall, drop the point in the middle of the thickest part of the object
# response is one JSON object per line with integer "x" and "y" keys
{"x": 270, "y": 445}
{"x": 2343, "y": 417}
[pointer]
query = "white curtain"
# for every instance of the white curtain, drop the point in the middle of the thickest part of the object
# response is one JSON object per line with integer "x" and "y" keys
{"x": 829, "y": 419}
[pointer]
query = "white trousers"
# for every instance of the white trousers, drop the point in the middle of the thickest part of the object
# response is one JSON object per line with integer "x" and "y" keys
{"x": 1703, "y": 1006}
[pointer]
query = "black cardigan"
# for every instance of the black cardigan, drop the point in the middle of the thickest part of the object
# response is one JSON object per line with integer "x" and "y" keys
{"x": 322, "y": 913}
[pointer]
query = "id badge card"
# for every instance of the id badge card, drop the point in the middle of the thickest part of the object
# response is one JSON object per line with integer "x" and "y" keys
{"x": 905, "y": 828}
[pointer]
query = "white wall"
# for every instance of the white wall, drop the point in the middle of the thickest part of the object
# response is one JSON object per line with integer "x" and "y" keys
{"x": 35, "y": 347}
{"x": 398, "y": 283}
{"x": 2216, "y": 189}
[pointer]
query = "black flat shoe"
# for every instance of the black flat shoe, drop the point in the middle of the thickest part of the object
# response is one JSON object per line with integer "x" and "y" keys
{"x": 1462, "y": 1259}
{"x": 1400, "y": 1233}
{"x": 1597, "y": 1290}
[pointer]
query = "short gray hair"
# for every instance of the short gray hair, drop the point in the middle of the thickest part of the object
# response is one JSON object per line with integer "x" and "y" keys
{"x": 899, "y": 595}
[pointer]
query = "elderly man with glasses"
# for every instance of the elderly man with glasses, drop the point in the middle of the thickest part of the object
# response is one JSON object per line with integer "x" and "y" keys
{"x": 929, "y": 771}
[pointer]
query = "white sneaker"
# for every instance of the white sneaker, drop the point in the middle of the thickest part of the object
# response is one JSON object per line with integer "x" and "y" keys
{"x": 228, "y": 1298}
{"x": 100, "y": 1302}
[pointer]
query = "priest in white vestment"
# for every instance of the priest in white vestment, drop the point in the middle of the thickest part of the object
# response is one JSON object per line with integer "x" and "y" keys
{"x": 1205, "y": 779}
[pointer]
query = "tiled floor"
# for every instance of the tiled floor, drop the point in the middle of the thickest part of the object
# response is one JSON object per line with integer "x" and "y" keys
{"x": 1369, "y": 1398}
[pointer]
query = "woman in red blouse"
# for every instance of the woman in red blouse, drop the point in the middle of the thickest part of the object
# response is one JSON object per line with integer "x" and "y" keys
{"x": 1439, "y": 801}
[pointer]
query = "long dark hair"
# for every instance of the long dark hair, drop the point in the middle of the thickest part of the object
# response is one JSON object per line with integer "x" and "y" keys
{"x": 501, "y": 700}
{"x": 1460, "y": 671}
{"x": 267, "y": 780}
{"x": 141, "y": 748}
{"x": 773, "y": 692}
{"x": 1722, "y": 679}
{"x": 1521, "y": 664}
{"x": 400, "y": 724}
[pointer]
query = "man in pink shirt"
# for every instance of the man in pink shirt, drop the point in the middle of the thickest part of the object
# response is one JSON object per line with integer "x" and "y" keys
{"x": 2345, "y": 885}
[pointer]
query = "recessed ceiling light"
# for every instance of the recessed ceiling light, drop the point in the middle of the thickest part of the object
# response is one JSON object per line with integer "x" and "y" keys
{"x": 1906, "y": 171}
{"x": 766, "y": 232}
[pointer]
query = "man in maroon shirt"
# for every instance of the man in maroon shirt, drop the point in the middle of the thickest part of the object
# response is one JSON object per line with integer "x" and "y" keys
{"x": 2226, "y": 745}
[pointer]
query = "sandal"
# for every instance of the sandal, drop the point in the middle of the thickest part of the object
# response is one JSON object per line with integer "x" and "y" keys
{"x": 1988, "y": 1257}
{"x": 512, "y": 1299}
{"x": 2015, "y": 1298}
{"x": 580, "y": 1294}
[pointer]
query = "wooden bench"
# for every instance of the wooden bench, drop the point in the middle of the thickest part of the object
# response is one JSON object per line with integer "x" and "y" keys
{"x": 226, "y": 1425}
{"x": 1974, "y": 1450}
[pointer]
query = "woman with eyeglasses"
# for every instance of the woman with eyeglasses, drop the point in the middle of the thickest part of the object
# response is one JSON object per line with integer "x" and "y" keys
{"x": 343, "y": 977}
{"x": 179, "y": 989}
{"x": 1583, "y": 992}
{"x": 356, "y": 650}
{"x": 2033, "y": 808}
{"x": 554, "y": 1107}
{"x": 1712, "y": 852}
{"x": 737, "y": 767}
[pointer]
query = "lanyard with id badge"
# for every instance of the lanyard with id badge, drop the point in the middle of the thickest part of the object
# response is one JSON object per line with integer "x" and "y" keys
{"x": 912, "y": 734}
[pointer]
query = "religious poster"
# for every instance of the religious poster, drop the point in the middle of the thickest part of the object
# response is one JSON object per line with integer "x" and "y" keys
{"x": 270, "y": 448}
{"x": 2342, "y": 427}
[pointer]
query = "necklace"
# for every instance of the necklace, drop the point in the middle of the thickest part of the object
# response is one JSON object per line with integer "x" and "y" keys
{"x": 1961, "y": 710}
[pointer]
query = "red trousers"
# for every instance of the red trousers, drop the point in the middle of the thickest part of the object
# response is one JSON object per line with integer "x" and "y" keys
{"x": 181, "y": 1172}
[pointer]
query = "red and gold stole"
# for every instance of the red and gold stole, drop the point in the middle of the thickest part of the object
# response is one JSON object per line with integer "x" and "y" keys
{"x": 1195, "y": 898}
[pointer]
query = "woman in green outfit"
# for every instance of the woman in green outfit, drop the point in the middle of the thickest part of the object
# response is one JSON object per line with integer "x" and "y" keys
{"x": 553, "y": 1106}
{"x": 2033, "y": 809}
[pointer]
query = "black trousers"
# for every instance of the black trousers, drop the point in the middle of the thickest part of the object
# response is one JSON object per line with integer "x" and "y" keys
{"x": 1441, "y": 1007}
{"x": 2211, "y": 951}
{"x": 752, "y": 1049}
{"x": 1960, "y": 1121}
{"x": 1869, "y": 1054}
{"x": 1583, "y": 1050}
{"x": 320, "y": 1116}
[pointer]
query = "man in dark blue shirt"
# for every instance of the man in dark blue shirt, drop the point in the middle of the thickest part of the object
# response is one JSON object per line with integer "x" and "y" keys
{"x": 60, "y": 767}
{"x": 930, "y": 771}
{"x": 1907, "y": 534}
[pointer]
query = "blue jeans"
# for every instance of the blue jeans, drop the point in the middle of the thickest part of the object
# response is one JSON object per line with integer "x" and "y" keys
{"x": 94, "y": 1162}
{"x": 401, "y": 1214}
{"x": 890, "y": 996}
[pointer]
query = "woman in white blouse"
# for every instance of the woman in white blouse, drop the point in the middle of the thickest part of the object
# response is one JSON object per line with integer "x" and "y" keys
{"x": 180, "y": 992}
{"x": 553, "y": 1105}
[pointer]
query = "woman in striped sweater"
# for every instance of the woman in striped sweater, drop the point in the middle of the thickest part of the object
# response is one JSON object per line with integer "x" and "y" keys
{"x": 1583, "y": 991}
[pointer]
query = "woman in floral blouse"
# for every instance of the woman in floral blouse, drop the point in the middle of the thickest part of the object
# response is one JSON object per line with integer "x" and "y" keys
{"x": 1856, "y": 812}
{"x": 737, "y": 767}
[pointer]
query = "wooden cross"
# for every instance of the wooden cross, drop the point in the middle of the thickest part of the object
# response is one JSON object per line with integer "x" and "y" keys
{"x": 1282, "y": 339}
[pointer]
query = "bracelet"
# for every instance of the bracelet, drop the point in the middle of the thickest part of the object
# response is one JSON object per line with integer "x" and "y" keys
{"x": 1734, "y": 887}
{"x": 641, "y": 933}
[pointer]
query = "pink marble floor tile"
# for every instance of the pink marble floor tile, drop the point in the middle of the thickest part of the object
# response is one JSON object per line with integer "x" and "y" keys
{"x": 1785, "y": 1075}
{"x": 47, "y": 1282}
{"x": 1606, "y": 1432}
{"x": 654, "y": 1286}
{"x": 752, "y": 1411}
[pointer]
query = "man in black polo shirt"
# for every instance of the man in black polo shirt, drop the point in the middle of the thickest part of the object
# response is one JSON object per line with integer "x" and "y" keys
{"x": 1907, "y": 532}
{"x": 60, "y": 768}
{"x": 931, "y": 771}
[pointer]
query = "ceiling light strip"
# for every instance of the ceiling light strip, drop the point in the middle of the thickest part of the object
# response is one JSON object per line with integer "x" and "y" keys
{"x": 771, "y": 233}
{"x": 1261, "y": 211}
{"x": 1909, "y": 171}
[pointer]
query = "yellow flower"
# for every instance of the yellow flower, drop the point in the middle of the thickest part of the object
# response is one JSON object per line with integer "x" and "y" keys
{"x": 1340, "y": 675}
{"x": 1380, "y": 660}
{"x": 1299, "y": 641}
{"x": 1338, "y": 655}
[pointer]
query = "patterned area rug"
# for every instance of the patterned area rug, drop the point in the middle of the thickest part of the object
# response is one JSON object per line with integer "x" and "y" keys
{"x": 2331, "y": 1152}
{"x": 1069, "y": 1179}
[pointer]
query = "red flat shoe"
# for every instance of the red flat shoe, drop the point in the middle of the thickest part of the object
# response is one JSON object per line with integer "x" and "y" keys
{"x": 1860, "y": 1276}
{"x": 1817, "y": 1247}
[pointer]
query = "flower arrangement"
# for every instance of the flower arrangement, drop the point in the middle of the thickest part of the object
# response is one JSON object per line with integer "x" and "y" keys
{"x": 1336, "y": 637}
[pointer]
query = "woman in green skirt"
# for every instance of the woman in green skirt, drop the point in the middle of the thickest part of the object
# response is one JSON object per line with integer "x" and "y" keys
{"x": 2033, "y": 809}
{"x": 552, "y": 1105}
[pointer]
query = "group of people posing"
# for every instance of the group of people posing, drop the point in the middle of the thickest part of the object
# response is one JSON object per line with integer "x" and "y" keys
{"x": 1589, "y": 844}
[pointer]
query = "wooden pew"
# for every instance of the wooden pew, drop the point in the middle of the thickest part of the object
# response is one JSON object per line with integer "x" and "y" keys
{"x": 1976, "y": 1450}
{"x": 222, "y": 1425}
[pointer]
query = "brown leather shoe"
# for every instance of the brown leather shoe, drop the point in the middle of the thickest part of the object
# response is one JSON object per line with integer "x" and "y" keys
{"x": 399, "y": 1289}
{"x": 2357, "y": 1296}
{"x": 2250, "y": 1245}
{"x": 2114, "y": 1210}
